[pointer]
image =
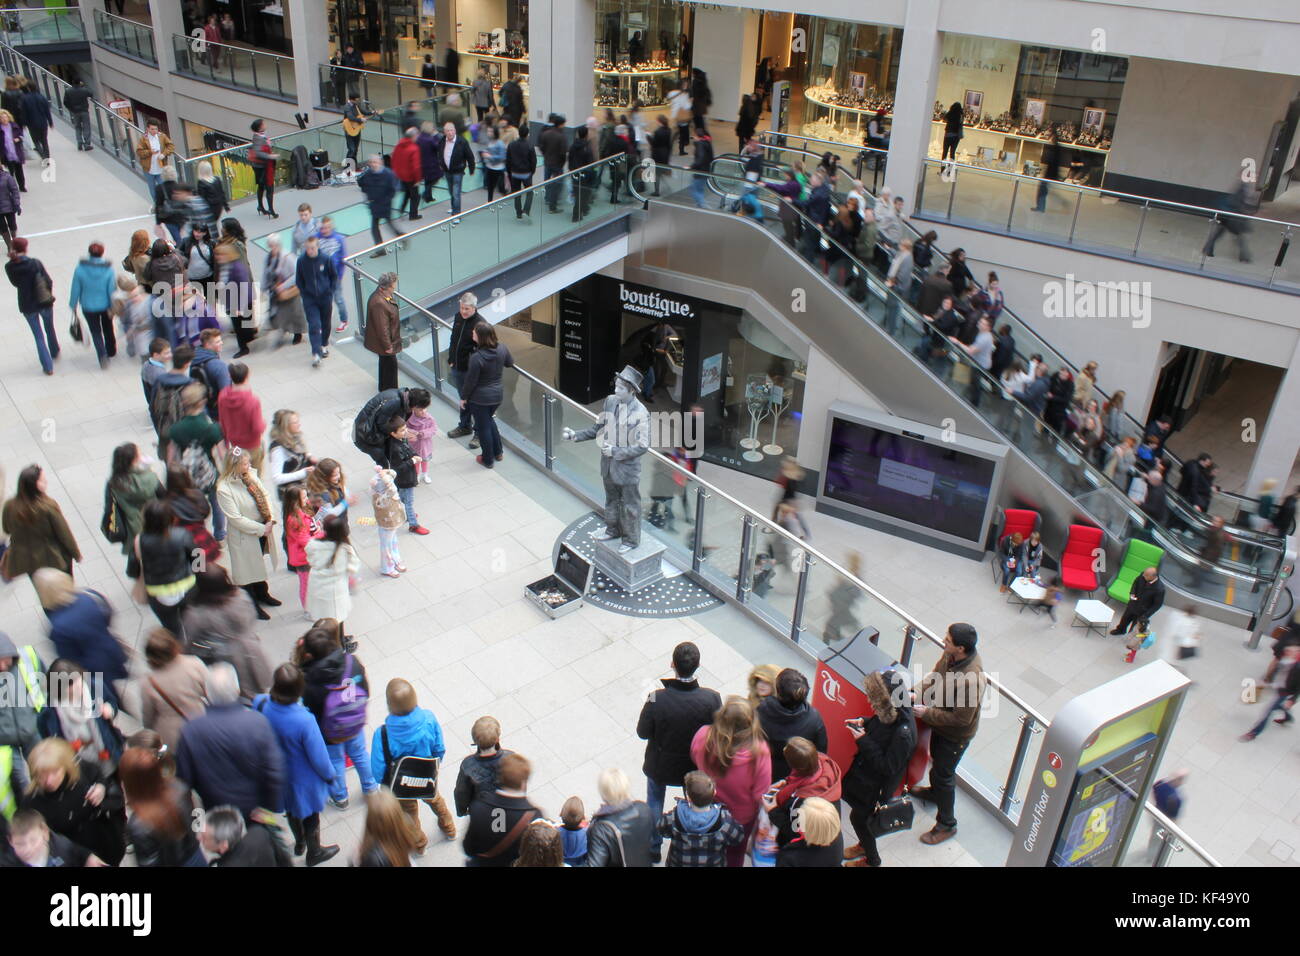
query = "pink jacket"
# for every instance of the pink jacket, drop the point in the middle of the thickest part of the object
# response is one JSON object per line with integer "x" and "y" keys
{"x": 744, "y": 783}
{"x": 421, "y": 435}
{"x": 297, "y": 532}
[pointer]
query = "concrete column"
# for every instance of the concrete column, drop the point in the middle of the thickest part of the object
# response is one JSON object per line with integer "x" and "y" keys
{"x": 309, "y": 30}
{"x": 726, "y": 48}
{"x": 167, "y": 23}
{"x": 918, "y": 79}
{"x": 1279, "y": 438}
{"x": 447, "y": 38}
{"x": 560, "y": 78}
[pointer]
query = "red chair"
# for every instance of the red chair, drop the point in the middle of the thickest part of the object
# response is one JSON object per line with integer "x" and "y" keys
{"x": 1014, "y": 520}
{"x": 1078, "y": 558}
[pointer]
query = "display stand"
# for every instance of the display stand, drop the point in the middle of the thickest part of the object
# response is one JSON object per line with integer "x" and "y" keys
{"x": 780, "y": 403}
{"x": 757, "y": 400}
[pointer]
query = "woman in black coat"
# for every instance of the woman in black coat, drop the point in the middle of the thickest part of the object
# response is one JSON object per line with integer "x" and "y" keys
{"x": 820, "y": 841}
{"x": 952, "y": 131}
{"x": 959, "y": 273}
{"x": 884, "y": 746}
{"x": 1059, "y": 395}
{"x": 621, "y": 825}
{"x": 77, "y": 800}
{"x": 162, "y": 810}
{"x": 483, "y": 391}
{"x": 661, "y": 148}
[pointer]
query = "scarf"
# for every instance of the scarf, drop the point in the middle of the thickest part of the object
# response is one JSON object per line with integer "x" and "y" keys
{"x": 259, "y": 496}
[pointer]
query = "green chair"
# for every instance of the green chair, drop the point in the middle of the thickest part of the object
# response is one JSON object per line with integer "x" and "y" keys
{"x": 1138, "y": 556}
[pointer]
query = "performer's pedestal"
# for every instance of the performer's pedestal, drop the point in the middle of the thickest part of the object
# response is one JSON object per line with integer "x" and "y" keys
{"x": 631, "y": 570}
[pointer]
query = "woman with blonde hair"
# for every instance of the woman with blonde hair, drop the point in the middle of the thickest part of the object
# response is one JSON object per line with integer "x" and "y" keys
{"x": 213, "y": 192}
{"x": 12, "y": 152}
{"x": 540, "y": 846}
{"x": 820, "y": 841}
{"x": 327, "y": 490}
{"x": 80, "y": 622}
{"x": 249, "y": 525}
{"x": 762, "y": 683}
{"x": 387, "y": 840}
{"x": 77, "y": 800}
{"x": 733, "y": 751}
{"x": 620, "y": 831}
{"x": 137, "y": 258}
{"x": 287, "y": 458}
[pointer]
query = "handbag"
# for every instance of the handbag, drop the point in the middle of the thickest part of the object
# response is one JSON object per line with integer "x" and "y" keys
{"x": 44, "y": 293}
{"x": 892, "y": 817}
{"x": 284, "y": 295}
{"x": 75, "y": 330}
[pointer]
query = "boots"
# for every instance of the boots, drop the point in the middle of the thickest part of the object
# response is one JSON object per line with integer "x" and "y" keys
{"x": 317, "y": 854}
{"x": 446, "y": 822}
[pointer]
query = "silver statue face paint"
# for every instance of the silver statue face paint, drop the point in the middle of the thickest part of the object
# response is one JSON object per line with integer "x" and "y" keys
{"x": 622, "y": 391}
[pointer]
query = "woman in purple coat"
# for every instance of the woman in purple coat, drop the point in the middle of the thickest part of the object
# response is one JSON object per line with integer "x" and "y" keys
{"x": 429, "y": 168}
{"x": 308, "y": 771}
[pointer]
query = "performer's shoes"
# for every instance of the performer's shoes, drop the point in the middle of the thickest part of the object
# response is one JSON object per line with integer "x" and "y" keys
{"x": 604, "y": 535}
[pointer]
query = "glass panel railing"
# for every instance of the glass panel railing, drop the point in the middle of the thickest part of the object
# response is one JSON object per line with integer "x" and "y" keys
{"x": 730, "y": 539}
{"x": 266, "y": 74}
{"x": 1073, "y": 469}
{"x": 126, "y": 36}
{"x": 19, "y": 26}
{"x": 336, "y": 83}
{"x": 999, "y": 201}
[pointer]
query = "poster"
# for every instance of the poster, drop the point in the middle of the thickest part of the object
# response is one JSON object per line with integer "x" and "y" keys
{"x": 858, "y": 83}
{"x": 711, "y": 375}
{"x": 1093, "y": 118}
{"x": 974, "y": 101}
{"x": 830, "y": 51}
{"x": 1035, "y": 110}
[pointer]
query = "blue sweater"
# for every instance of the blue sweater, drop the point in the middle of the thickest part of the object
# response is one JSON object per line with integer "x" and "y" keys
{"x": 93, "y": 285}
{"x": 416, "y": 734}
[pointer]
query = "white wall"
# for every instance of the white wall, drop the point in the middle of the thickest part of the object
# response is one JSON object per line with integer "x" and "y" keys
{"x": 726, "y": 48}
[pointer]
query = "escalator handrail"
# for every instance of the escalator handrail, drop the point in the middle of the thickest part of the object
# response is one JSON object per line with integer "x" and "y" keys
{"x": 908, "y": 314}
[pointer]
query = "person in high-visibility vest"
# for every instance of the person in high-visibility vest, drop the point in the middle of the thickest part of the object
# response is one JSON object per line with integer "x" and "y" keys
{"x": 13, "y": 781}
{"x": 22, "y": 694}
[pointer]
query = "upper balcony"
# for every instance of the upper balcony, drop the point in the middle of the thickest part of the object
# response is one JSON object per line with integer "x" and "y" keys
{"x": 44, "y": 32}
{"x": 128, "y": 37}
{"x": 236, "y": 67}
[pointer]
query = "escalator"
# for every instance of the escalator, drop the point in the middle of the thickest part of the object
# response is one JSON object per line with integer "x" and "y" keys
{"x": 781, "y": 153}
{"x": 880, "y": 340}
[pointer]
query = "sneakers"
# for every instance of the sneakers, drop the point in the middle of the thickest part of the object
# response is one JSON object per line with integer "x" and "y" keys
{"x": 391, "y": 574}
{"x": 474, "y": 443}
{"x": 324, "y": 351}
{"x": 426, "y": 479}
{"x": 938, "y": 835}
{"x": 339, "y": 804}
{"x": 341, "y": 327}
{"x": 418, "y": 529}
{"x": 315, "y": 362}
{"x": 458, "y": 432}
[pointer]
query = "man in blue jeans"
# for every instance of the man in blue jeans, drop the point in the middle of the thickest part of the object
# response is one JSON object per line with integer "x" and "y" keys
{"x": 455, "y": 158}
{"x": 34, "y": 285}
{"x": 333, "y": 246}
{"x": 1287, "y": 682}
{"x": 317, "y": 278}
{"x": 668, "y": 722}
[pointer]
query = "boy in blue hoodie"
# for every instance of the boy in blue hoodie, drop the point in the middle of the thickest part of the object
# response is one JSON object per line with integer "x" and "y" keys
{"x": 410, "y": 731}
{"x": 700, "y": 829}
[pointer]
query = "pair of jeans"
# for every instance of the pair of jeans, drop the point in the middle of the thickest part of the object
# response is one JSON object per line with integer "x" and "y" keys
{"x": 169, "y": 616}
{"x": 1040, "y": 201}
{"x": 218, "y": 516}
{"x": 47, "y": 341}
{"x": 523, "y": 203}
{"x": 102, "y": 334}
{"x": 81, "y": 122}
{"x": 153, "y": 180}
{"x": 378, "y": 215}
{"x": 428, "y": 188}
{"x": 697, "y": 189}
{"x": 454, "y": 183}
{"x": 408, "y": 502}
{"x": 654, "y": 798}
{"x": 485, "y": 427}
{"x": 354, "y": 142}
{"x": 387, "y": 372}
{"x": 553, "y": 183}
{"x": 494, "y": 181}
{"x": 945, "y": 754}
{"x": 410, "y": 200}
{"x": 859, "y": 818}
{"x": 458, "y": 380}
{"x": 354, "y": 748}
{"x": 317, "y": 311}
{"x": 648, "y": 386}
{"x": 1276, "y": 707}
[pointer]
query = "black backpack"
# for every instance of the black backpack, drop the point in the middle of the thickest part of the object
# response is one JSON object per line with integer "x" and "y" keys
{"x": 200, "y": 374}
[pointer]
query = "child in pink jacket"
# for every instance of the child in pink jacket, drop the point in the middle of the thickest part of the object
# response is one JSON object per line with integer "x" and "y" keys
{"x": 734, "y": 754}
{"x": 421, "y": 429}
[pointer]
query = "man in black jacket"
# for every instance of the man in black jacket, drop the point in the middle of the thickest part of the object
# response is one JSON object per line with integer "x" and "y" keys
{"x": 480, "y": 770}
{"x": 1154, "y": 504}
{"x": 668, "y": 722}
{"x": 458, "y": 353}
{"x": 498, "y": 818}
{"x": 934, "y": 289}
{"x": 1196, "y": 485}
{"x": 701, "y": 164}
{"x": 1147, "y": 597}
{"x": 368, "y": 428}
{"x": 77, "y": 102}
{"x": 232, "y": 843}
{"x": 786, "y": 714}
{"x": 553, "y": 144}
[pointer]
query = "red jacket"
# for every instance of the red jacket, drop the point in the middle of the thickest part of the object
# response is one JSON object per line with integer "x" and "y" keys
{"x": 240, "y": 412}
{"x": 406, "y": 161}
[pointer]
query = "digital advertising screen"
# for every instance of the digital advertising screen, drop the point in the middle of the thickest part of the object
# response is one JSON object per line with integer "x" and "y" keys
{"x": 933, "y": 484}
{"x": 1103, "y": 802}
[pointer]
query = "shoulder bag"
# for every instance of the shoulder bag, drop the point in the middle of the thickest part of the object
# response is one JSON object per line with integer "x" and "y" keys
{"x": 515, "y": 832}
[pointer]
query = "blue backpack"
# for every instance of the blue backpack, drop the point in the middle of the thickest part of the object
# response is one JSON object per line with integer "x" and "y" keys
{"x": 343, "y": 715}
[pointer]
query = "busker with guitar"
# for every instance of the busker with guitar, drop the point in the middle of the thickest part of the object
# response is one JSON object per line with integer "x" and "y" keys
{"x": 354, "y": 121}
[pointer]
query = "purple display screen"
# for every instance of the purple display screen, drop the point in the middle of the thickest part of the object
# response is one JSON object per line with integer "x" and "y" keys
{"x": 931, "y": 484}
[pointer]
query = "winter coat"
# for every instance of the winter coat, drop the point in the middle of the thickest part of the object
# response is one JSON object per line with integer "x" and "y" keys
{"x": 380, "y": 186}
{"x": 461, "y": 346}
{"x": 93, "y": 283}
{"x": 580, "y": 154}
{"x": 799, "y": 852}
{"x": 226, "y": 631}
{"x": 1146, "y": 598}
{"x": 145, "y": 155}
{"x": 702, "y": 160}
{"x": 780, "y": 723}
{"x": 401, "y": 459}
{"x": 213, "y": 193}
{"x": 240, "y": 414}
{"x": 493, "y": 819}
{"x": 383, "y": 328}
{"x": 80, "y": 632}
{"x": 36, "y": 111}
{"x": 231, "y": 755}
{"x": 521, "y": 159}
{"x": 18, "y": 724}
{"x": 661, "y": 145}
{"x": 953, "y": 702}
{"x": 700, "y": 837}
{"x": 308, "y": 771}
{"x": 165, "y": 271}
{"x": 406, "y": 161}
{"x": 325, "y": 673}
{"x": 626, "y": 828}
{"x": 390, "y": 513}
{"x": 462, "y": 157}
{"x": 100, "y": 829}
{"x": 478, "y": 775}
{"x": 669, "y": 720}
{"x": 742, "y": 785}
{"x": 553, "y": 145}
{"x": 11, "y": 198}
{"x": 824, "y": 782}
{"x": 417, "y": 734}
{"x": 41, "y": 540}
{"x": 154, "y": 848}
{"x": 140, "y": 487}
{"x": 428, "y": 145}
{"x": 165, "y": 561}
{"x": 245, "y": 524}
{"x": 77, "y": 99}
{"x": 183, "y": 681}
{"x": 368, "y": 426}
{"x": 328, "y": 591}
{"x": 261, "y": 847}
{"x": 23, "y": 272}
{"x": 297, "y": 534}
{"x": 880, "y": 759}
{"x": 483, "y": 378}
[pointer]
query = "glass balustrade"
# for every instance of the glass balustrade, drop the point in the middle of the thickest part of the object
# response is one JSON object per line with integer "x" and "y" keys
{"x": 730, "y": 540}
{"x": 336, "y": 83}
{"x": 1240, "y": 576}
{"x": 126, "y": 36}
{"x": 19, "y": 26}
{"x": 266, "y": 74}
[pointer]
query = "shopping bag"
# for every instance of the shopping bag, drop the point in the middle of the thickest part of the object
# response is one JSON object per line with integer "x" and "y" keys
{"x": 763, "y": 851}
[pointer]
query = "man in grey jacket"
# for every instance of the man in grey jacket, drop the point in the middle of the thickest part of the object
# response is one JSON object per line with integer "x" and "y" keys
{"x": 22, "y": 695}
{"x": 624, "y": 432}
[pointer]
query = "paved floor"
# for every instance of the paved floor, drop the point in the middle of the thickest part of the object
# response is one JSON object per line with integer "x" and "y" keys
{"x": 567, "y": 692}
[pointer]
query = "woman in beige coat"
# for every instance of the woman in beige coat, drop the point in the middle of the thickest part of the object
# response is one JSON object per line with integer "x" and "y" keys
{"x": 250, "y": 524}
{"x": 173, "y": 692}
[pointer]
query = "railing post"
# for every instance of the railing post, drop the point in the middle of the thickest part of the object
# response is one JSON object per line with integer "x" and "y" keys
{"x": 800, "y": 596}
{"x": 1142, "y": 222}
{"x": 1028, "y": 727}
{"x": 1168, "y": 843}
{"x": 743, "y": 576}
{"x": 548, "y": 421}
{"x": 279, "y": 83}
{"x": 909, "y": 642}
{"x": 1011, "y": 210}
{"x": 697, "y": 544}
{"x": 952, "y": 189}
{"x": 437, "y": 359}
{"x": 1078, "y": 201}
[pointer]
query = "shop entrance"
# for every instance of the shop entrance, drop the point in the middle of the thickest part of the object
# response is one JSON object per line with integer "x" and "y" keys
{"x": 390, "y": 35}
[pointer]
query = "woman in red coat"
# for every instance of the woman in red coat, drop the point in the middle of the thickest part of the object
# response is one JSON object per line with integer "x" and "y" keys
{"x": 407, "y": 168}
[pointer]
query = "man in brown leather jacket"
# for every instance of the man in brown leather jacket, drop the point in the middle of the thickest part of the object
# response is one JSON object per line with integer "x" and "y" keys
{"x": 948, "y": 702}
{"x": 384, "y": 330}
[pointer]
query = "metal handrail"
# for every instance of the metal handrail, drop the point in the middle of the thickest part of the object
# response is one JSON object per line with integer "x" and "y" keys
{"x": 753, "y": 516}
{"x": 113, "y": 16}
{"x": 1136, "y": 517}
{"x": 397, "y": 76}
{"x": 191, "y": 40}
{"x": 1239, "y": 531}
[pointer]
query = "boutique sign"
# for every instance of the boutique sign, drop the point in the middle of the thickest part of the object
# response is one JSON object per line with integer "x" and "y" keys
{"x": 656, "y": 305}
